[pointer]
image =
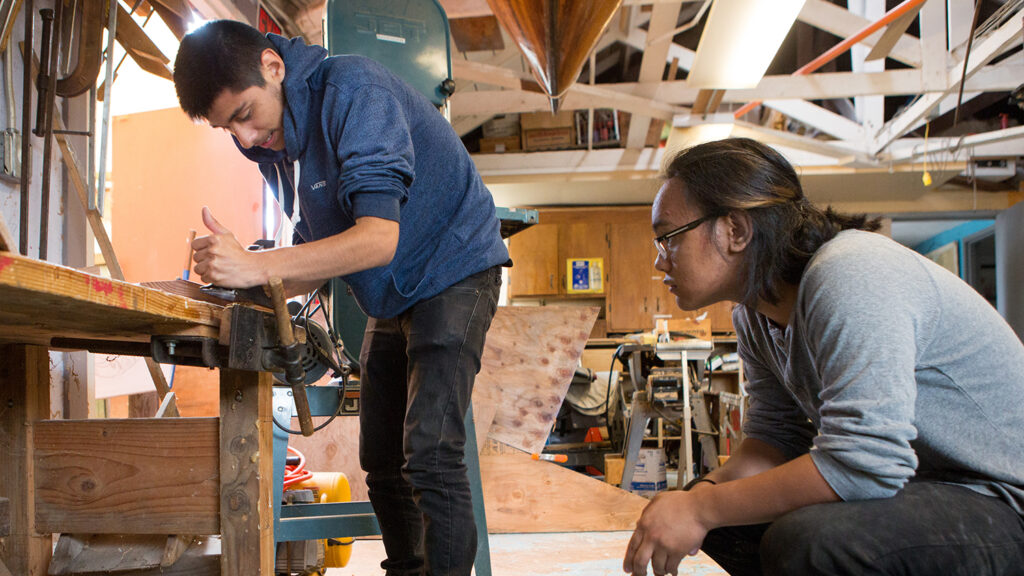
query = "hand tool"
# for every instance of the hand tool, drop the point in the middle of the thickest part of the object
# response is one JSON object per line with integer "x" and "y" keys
{"x": 255, "y": 295}
{"x": 291, "y": 356}
{"x": 186, "y": 271}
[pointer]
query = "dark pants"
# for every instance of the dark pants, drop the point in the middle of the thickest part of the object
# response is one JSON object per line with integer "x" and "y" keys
{"x": 417, "y": 377}
{"x": 927, "y": 529}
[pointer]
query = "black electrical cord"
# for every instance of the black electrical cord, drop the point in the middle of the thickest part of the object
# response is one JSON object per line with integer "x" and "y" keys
{"x": 318, "y": 428}
{"x": 608, "y": 388}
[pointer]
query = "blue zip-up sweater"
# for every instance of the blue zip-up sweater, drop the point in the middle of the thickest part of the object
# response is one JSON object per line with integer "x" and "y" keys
{"x": 369, "y": 145}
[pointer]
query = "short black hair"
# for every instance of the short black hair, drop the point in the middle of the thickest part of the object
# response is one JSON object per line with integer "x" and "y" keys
{"x": 220, "y": 54}
{"x": 740, "y": 174}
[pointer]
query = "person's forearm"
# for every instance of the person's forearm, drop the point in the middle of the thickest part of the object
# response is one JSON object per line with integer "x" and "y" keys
{"x": 765, "y": 496}
{"x": 752, "y": 457}
{"x": 307, "y": 266}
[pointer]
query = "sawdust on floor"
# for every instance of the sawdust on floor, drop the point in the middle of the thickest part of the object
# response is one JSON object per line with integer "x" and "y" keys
{"x": 564, "y": 554}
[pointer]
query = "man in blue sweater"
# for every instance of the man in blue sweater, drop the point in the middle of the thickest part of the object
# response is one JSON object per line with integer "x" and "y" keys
{"x": 383, "y": 194}
{"x": 884, "y": 433}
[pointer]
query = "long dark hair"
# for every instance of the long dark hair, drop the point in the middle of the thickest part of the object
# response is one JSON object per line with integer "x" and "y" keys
{"x": 742, "y": 174}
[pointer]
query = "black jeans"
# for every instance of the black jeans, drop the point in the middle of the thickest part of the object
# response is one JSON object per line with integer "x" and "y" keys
{"x": 926, "y": 529}
{"x": 417, "y": 377}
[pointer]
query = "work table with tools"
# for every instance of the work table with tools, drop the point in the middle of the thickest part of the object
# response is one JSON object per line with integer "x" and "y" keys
{"x": 194, "y": 476}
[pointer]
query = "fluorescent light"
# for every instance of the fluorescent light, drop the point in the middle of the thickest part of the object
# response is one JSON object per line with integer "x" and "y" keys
{"x": 740, "y": 40}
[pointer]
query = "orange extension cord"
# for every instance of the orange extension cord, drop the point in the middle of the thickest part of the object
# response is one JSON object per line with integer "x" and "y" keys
{"x": 293, "y": 474}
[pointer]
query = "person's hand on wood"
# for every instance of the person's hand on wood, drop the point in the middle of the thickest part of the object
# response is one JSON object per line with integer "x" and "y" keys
{"x": 668, "y": 530}
{"x": 221, "y": 260}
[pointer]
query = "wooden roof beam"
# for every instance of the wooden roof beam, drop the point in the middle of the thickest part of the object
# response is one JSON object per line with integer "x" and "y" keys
{"x": 841, "y": 22}
{"x": 998, "y": 41}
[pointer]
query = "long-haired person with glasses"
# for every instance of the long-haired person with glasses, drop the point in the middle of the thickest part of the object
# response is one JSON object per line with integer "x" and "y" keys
{"x": 883, "y": 434}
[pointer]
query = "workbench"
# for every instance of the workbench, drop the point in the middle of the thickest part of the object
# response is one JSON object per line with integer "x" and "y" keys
{"x": 195, "y": 476}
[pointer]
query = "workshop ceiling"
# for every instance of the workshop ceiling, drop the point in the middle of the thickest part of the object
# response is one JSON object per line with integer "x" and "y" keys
{"x": 847, "y": 118}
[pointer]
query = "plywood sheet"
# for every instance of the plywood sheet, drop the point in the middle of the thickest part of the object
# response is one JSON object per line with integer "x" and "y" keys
{"x": 526, "y": 495}
{"x": 334, "y": 449}
{"x": 527, "y": 365}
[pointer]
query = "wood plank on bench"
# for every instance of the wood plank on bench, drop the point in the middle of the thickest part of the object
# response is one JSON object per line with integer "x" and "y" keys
{"x": 130, "y": 476}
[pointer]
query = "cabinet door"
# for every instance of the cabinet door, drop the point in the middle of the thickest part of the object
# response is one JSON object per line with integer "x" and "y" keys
{"x": 631, "y": 301}
{"x": 534, "y": 254}
{"x": 721, "y": 316}
{"x": 583, "y": 239}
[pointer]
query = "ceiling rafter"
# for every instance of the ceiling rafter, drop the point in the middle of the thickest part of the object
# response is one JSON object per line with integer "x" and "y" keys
{"x": 997, "y": 42}
{"x": 652, "y": 66}
{"x": 817, "y": 117}
{"x": 841, "y": 22}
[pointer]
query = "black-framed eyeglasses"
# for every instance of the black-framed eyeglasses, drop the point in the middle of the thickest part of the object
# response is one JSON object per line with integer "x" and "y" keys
{"x": 661, "y": 242}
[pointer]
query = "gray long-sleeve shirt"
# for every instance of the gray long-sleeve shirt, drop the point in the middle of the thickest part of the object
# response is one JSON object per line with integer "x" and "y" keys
{"x": 891, "y": 370}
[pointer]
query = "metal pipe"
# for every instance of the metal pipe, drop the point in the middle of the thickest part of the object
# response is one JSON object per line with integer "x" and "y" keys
{"x": 837, "y": 50}
{"x": 50, "y": 104}
{"x": 967, "y": 57}
{"x": 91, "y": 165}
{"x": 108, "y": 94}
{"x": 10, "y": 13}
{"x": 44, "y": 68}
{"x": 26, "y": 126}
{"x": 11, "y": 135}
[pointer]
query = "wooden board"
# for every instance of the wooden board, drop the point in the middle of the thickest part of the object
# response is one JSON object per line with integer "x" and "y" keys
{"x": 24, "y": 399}
{"x": 482, "y": 423}
{"x": 525, "y": 495}
{"x": 184, "y": 288}
{"x": 246, "y": 469}
{"x": 132, "y": 556}
{"x": 136, "y": 476}
{"x": 43, "y": 300}
{"x": 528, "y": 362}
{"x": 105, "y": 553}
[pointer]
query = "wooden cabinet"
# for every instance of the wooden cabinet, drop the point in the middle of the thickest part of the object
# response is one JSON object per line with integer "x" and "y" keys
{"x": 633, "y": 295}
{"x": 621, "y": 236}
{"x": 535, "y": 270}
{"x": 544, "y": 249}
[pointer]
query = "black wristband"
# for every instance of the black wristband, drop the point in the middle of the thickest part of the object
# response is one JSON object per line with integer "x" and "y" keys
{"x": 696, "y": 481}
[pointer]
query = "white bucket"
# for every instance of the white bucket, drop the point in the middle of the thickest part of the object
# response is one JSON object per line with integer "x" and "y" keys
{"x": 649, "y": 475}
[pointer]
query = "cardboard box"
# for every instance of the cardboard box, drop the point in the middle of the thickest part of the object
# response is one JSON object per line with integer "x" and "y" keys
{"x": 649, "y": 476}
{"x": 698, "y": 328}
{"x": 538, "y": 120}
{"x": 548, "y": 138}
{"x": 500, "y": 145}
{"x": 505, "y": 126}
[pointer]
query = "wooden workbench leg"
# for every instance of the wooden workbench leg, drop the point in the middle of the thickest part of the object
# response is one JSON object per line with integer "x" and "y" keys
{"x": 24, "y": 399}
{"x": 246, "y": 474}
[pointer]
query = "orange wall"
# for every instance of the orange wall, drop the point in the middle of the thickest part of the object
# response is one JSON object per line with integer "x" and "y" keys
{"x": 165, "y": 169}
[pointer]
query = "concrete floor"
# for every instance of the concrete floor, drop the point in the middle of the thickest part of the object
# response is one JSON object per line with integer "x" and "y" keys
{"x": 566, "y": 554}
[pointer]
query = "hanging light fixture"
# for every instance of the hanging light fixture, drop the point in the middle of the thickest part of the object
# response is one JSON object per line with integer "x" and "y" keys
{"x": 739, "y": 41}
